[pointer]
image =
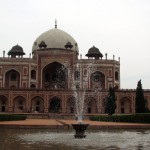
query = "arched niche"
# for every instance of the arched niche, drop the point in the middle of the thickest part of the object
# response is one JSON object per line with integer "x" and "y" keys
{"x": 3, "y": 104}
{"x": 12, "y": 79}
{"x": 97, "y": 80}
{"x": 33, "y": 74}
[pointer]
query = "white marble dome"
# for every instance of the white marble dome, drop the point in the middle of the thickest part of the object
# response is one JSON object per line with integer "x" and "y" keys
{"x": 55, "y": 39}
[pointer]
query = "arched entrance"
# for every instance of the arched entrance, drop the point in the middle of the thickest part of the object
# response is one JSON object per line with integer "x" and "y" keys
{"x": 71, "y": 105}
{"x": 90, "y": 105}
{"x": 37, "y": 104}
{"x": 125, "y": 106}
{"x": 55, "y": 105}
{"x": 54, "y": 76}
{"x": 3, "y": 104}
{"x": 19, "y": 104}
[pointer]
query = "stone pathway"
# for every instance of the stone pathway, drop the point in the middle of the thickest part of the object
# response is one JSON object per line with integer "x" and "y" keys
{"x": 31, "y": 123}
{"x": 99, "y": 124}
{"x": 52, "y": 123}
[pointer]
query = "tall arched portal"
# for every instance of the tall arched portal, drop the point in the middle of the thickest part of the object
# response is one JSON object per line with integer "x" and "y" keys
{"x": 55, "y": 76}
{"x": 55, "y": 105}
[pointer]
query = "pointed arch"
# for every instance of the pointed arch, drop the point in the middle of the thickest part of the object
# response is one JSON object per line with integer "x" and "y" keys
{"x": 55, "y": 105}
{"x": 19, "y": 104}
{"x": 90, "y": 105}
{"x": 76, "y": 75}
{"x": 33, "y": 74}
{"x": 104, "y": 105}
{"x": 71, "y": 105}
{"x": 125, "y": 105}
{"x": 12, "y": 79}
{"x": 116, "y": 76}
{"x": 54, "y": 76}
{"x": 3, "y": 104}
{"x": 37, "y": 104}
{"x": 97, "y": 80}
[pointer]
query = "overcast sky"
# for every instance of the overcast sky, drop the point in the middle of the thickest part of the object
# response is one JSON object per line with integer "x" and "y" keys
{"x": 119, "y": 27}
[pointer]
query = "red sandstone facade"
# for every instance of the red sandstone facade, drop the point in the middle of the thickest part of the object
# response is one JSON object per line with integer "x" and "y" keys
{"x": 43, "y": 82}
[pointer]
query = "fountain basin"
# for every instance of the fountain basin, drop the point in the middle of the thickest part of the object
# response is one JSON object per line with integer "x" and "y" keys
{"x": 80, "y": 130}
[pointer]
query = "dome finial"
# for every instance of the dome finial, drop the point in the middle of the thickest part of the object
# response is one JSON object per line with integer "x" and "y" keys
{"x": 55, "y": 23}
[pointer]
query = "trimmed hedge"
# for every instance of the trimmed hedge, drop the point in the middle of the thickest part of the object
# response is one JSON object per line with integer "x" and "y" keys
{"x": 11, "y": 117}
{"x": 135, "y": 118}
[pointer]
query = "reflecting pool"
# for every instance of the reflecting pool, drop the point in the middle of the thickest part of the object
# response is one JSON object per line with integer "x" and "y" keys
{"x": 43, "y": 139}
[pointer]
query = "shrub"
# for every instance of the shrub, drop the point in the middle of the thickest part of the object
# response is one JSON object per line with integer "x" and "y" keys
{"x": 135, "y": 118}
{"x": 11, "y": 117}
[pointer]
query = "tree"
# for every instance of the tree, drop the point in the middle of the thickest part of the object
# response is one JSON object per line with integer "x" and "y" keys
{"x": 111, "y": 101}
{"x": 140, "y": 102}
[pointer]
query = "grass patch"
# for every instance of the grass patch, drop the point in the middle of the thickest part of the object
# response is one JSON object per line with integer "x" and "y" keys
{"x": 133, "y": 118}
{"x": 12, "y": 117}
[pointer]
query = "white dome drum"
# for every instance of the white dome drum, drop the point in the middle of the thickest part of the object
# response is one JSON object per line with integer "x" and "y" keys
{"x": 55, "y": 39}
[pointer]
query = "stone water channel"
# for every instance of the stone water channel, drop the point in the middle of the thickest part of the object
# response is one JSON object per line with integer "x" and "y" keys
{"x": 59, "y": 139}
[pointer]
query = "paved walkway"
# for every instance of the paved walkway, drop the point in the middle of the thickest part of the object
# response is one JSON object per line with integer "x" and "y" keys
{"x": 52, "y": 123}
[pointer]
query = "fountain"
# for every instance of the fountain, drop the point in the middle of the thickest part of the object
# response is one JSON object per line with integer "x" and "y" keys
{"x": 79, "y": 94}
{"x": 80, "y": 127}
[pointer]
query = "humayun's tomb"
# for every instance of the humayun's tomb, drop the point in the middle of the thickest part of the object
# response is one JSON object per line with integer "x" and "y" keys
{"x": 45, "y": 82}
